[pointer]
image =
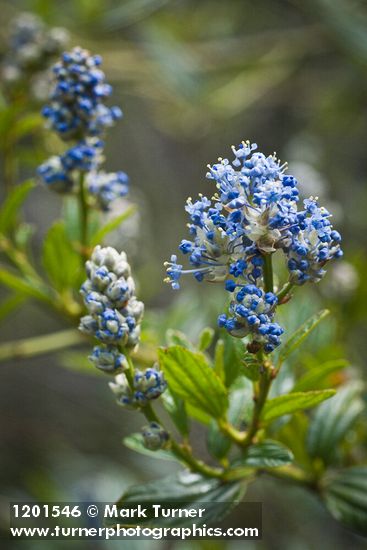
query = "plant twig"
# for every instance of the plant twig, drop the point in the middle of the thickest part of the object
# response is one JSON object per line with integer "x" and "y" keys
{"x": 182, "y": 453}
{"x": 37, "y": 345}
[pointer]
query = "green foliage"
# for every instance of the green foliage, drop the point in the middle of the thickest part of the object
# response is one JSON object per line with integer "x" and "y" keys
{"x": 99, "y": 235}
{"x": 293, "y": 434}
{"x": 178, "y": 338}
{"x": 176, "y": 408}
{"x": 233, "y": 352}
{"x": 12, "y": 204}
{"x": 218, "y": 444}
{"x": 135, "y": 442}
{"x": 191, "y": 378}
{"x": 205, "y": 338}
{"x": 23, "y": 286}
{"x": 333, "y": 421}
{"x": 187, "y": 490}
{"x": 300, "y": 334}
{"x": 239, "y": 413}
{"x": 267, "y": 454}
{"x": 251, "y": 367}
{"x": 11, "y": 303}
{"x": 345, "y": 494}
{"x": 292, "y": 402}
{"x": 317, "y": 375}
{"x": 60, "y": 260}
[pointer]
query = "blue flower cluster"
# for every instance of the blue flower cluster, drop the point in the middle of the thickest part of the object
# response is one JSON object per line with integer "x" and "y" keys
{"x": 252, "y": 312}
{"x": 77, "y": 112}
{"x": 31, "y": 46}
{"x": 77, "y": 109}
{"x": 107, "y": 187}
{"x": 147, "y": 385}
{"x": 114, "y": 318}
{"x": 254, "y": 212}
{"x": 60, "y": 172}
{"x": 154, "y": 436}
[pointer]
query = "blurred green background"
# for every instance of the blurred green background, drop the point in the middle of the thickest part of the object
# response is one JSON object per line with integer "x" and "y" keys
{"x": 193, "y": 78}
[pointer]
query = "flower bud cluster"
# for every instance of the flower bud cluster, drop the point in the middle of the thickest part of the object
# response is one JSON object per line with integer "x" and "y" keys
{"x": 252, "y": 312}
{"x": 115, "y": 313}
{"x": 147, "y": 385}
{"x": 154, "y": 436}
{"x": 253, "y": 214}
{"x": 114, "y": 318}
{"x": 77, "y": 112}
{"x": 31, "y": 46}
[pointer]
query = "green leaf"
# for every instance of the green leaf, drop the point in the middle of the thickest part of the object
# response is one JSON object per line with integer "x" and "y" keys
{"x": 98, "y": 237}
{"x": 293, "y": 434}
{"x": 241, "y": 402}
{"x": 187, "y": 490}
{"x": 198, "y": 414}
{"x": 205, "y": 338}
{"x": 25, "y": 125}
{"x": 9, "y": 304}
{"x": 190, "y": 377}
{"x": 175, "y": 406}
{"x": 218, "y": 444}
{"x": 219, "y": 359}
{"x": 239, "y": 411}
{"x": 333, "y": 420}
{"x": 61, "y": 262}
{"x": 292, "y": 402}
{"x": 234, "y": 351}
{"x": 178, "y": 338}
{"x": 135, "y": 443}
{"x": 267, "y": 454}
{"x": 251, "y": 367}
{"x": 317, "y": 375}
{"x": 22, "y": 285}
{"x": 345, "y": 495}
{"x": 301, "y": 333}
{"x": 22, "y": 235}
{"x": 10, "y": 208}
{"x": 71, "y": 217}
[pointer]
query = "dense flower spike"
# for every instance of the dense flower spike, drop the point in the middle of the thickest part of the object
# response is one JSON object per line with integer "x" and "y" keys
{"x": 109, "y": 295}
{"x": 253, "y": 214}
{"x": 154, "y": 436}
{"x": 31, "y": 46}
{"x": 77, "y": 109}
{"x": 77, "y": 112}
{"x": 114, "y": 318}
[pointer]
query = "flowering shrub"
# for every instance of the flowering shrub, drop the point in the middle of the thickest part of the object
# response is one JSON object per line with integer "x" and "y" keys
{"x": 228, "y": 380}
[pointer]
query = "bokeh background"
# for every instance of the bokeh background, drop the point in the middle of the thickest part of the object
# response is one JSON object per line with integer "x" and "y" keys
{"x": 193, "y": 78}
